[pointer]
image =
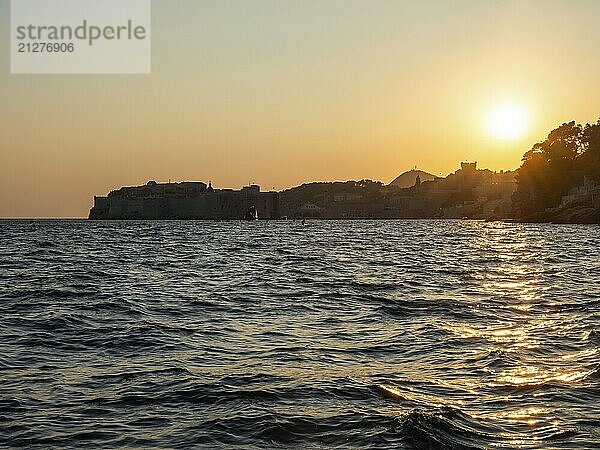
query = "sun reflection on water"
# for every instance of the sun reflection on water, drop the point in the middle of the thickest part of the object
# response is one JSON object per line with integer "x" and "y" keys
{"x": 514, "y": 335}
{"x": 531, "y": 375}
{"x": 530, "y": 416}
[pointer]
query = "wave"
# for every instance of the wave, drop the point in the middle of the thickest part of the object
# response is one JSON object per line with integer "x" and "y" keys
{"x": 594, "y": 373}
{"x": 593, "y": 336}
{"x": 444, "y": 428}
{"x": 128, "y": 376}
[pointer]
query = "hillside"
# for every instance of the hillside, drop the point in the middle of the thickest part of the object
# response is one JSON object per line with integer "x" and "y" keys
{"x": 408, "y": 179}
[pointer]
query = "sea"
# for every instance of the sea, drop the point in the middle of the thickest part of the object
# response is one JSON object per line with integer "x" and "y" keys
{"x": 278, "y": 334}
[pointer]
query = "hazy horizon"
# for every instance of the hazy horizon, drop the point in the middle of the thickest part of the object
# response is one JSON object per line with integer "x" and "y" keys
{"x": 282, "y": 93}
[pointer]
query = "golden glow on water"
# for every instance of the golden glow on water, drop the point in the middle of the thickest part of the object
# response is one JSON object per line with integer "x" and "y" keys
{"x": 521, "y": 286}
{"x": 529, "y": 416}
{"x": 514, "y": 335}
{"x": 531, "y": 375}
{"x": 579, "y": 355}
{"x": 426, "y": 399}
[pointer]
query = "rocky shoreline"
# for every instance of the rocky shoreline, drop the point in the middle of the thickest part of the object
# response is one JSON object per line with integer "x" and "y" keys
{"x": 574, "y": 215}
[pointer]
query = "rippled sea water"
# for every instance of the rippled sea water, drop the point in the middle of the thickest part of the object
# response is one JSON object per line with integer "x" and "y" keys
{"x": 357, "y": 334}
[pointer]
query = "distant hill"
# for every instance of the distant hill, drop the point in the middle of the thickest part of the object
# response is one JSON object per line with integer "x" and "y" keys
{"x": 408, "y": 179}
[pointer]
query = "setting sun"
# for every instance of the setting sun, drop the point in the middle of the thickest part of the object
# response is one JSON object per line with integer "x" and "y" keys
{"x": 507, "y": 121}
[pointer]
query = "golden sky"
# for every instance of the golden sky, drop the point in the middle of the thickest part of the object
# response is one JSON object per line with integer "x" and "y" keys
{"x": 285, "y": 92}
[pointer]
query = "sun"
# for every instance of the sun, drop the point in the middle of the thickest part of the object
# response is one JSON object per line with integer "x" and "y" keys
{"x": 507, "y": 121}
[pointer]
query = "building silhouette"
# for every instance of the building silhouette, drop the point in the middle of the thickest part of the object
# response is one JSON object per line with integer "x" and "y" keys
{"x": 187, "y": 200}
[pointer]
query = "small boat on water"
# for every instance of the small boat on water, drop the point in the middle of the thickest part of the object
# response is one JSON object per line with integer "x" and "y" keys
{"x": 251, "y": 214}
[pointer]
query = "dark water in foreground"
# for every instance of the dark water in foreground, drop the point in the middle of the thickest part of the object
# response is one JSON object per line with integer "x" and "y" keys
{"x": 397, "y": 334}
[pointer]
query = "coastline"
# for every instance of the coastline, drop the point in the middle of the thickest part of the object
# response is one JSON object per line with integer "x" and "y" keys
{"x": 528, "y": 220}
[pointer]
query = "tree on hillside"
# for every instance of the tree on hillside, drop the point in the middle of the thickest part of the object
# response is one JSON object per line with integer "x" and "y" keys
{"x": 590, "y": 160}
{"x": 552, "y": 167}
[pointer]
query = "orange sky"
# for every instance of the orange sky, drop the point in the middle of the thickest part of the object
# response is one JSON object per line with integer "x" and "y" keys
{"x": 285, "y": 92}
